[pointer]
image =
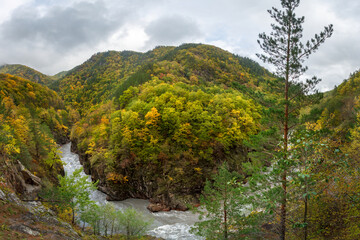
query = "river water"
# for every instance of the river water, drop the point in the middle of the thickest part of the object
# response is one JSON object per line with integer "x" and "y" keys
{"x": 167, "y": 225}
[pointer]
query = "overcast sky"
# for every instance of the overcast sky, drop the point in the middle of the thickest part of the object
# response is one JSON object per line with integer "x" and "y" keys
{"x": 53, "y": 35}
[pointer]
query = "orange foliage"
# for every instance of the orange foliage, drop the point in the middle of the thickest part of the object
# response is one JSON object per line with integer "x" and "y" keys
{"x": 116, "y": 178}
{"x": 152, "y": 117}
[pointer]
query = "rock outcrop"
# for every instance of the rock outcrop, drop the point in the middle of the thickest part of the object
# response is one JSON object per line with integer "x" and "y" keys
{"x": 31, "y": 220}
{"x": 26, "y": 184}
{"x": 30, "y": 183}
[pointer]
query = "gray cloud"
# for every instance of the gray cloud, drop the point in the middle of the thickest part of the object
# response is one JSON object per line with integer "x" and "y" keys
{"x": 53, "y": 35}
{"x": 171, "y": 30}
{"x": 336, "y": 59}
{"x": 60, "y": 28}
{"x": 345, "y": 9}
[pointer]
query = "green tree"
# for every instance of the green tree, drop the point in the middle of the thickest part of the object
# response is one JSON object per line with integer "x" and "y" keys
{"x": 105, "y": 219}
{"x": 307, "y": 153}
{"x": 133, "y": 223}
{"x": 53, "y": 157}
{"x": 91, "y": 215}
{"x": 226, "y": 208}
{"x": 108, "y": 217}
{"x": 74, "y": 191}
{"x": 283, "y": 48}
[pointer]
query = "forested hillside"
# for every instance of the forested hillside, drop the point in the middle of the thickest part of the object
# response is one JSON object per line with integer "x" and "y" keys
{"x": 334, "y": 123}
{"x": 33, "y": 121}
{"x": 158, "y": 125}
{"x": 339, "y": 107}
{"x": 174, "y": 110}
{"x": 184, "y": 113}
{"x": 106, "y": 76}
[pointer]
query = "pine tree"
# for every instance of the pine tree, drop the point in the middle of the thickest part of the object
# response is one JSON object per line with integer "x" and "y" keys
{"x": 227, "y": 208}
{"x": 284, "y": 49}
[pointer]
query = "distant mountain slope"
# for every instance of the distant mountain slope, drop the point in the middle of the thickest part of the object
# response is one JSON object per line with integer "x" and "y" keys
{"x": 27, "y": 73}
{"x": 339, "y": 107}
{"x": 27, "y": 93}
{"x": 60, "y": 75}
{"x": 109, "y": 74}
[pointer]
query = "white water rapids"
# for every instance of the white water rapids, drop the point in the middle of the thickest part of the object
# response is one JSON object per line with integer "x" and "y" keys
{"x": 167, "y": 225}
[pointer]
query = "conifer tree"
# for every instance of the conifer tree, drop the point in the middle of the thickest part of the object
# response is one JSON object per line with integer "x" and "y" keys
{"x": 284, "y": 49}
{"x": 228, "y": 208}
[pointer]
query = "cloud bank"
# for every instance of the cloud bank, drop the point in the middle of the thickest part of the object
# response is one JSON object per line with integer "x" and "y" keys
{"x": 53, "y": 36}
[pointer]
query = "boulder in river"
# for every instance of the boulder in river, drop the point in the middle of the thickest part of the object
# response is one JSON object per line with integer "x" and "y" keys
{"x": 157, "y": 207}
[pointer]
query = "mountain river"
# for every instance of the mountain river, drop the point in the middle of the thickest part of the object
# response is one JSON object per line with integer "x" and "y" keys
{"x": 167, "y": 225}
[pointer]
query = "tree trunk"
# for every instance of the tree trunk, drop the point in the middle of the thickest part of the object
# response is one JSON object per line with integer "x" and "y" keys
{"x": 284, "y": 182}
{"x": 98, "y": 226}
{"x": 225, "y": 216}
{"x": 73, "y": 216}
{"x": 112, "y": 229}
{"x": 286, "y": 131}
{"x": 127, "y": 232}
{"x": 305, "y": 210}
{"x": 305, "y": 219}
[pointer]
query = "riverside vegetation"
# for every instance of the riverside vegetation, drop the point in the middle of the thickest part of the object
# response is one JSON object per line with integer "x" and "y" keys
{"x": 73, "y": 193}
{"x": 264, "y": 154}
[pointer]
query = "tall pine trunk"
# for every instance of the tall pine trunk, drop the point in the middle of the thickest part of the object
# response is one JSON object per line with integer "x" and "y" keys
{"x": 305, "y": 218}
{"x": 286, "y": 131}
{"x": 283, "y": 49}
{"x": 306, "y": 209}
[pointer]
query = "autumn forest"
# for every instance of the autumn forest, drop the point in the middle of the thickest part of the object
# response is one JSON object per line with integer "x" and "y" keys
{"x": 257, "y": 154}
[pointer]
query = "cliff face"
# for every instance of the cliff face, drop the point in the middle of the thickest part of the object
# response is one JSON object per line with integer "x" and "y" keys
{"x": 147, "y": 183}
{"x": 24, "y": 219}
{"x": 144, "y": 186}
{"x": 30, "y": 220}
{"x": 21, "y": 180}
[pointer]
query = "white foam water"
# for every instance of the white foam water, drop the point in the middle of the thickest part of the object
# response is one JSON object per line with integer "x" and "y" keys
{"x": 168, "y": 225}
